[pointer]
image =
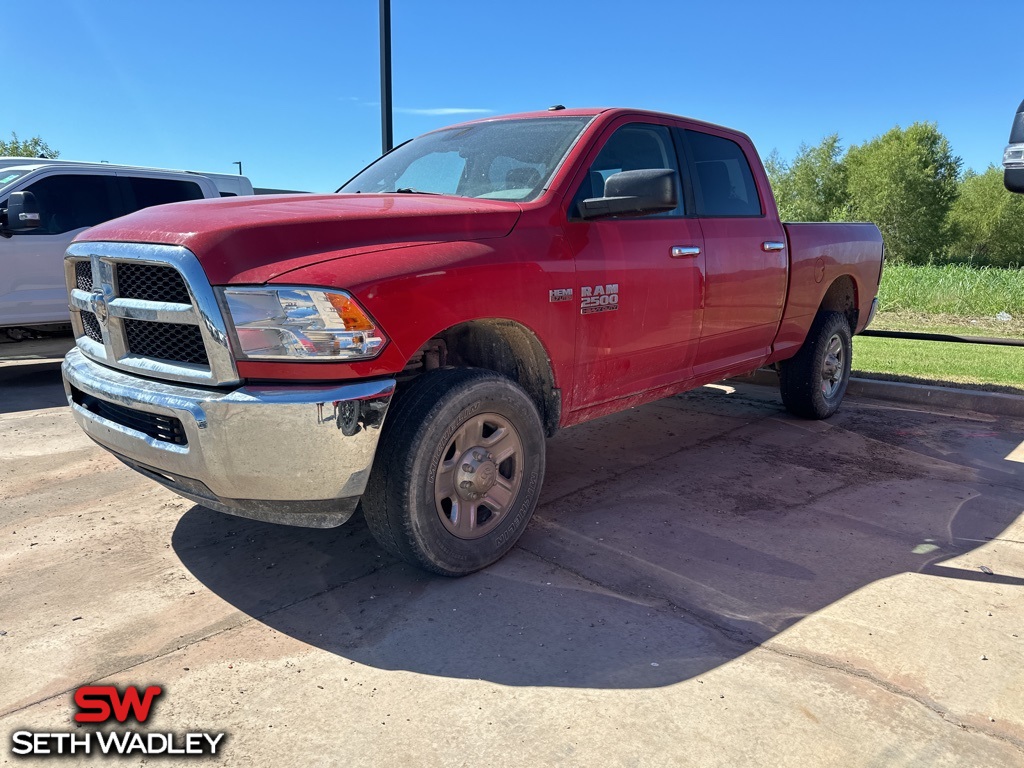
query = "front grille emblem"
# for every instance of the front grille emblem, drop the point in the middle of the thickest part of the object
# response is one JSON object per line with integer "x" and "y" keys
{"x": 98, "y": 305}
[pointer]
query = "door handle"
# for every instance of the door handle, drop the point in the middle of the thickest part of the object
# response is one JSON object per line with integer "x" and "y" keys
{"x": 773, "y": 245}
{"x": 684, "y": 251}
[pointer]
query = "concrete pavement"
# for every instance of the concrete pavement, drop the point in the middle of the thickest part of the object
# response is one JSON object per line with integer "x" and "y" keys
{"x": 707, "y": 581}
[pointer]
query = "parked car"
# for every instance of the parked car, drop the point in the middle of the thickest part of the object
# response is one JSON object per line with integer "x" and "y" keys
{"x": 1013, "y": 155}
{"x": 73, "y": 196}
{"x": 411, "y": 341}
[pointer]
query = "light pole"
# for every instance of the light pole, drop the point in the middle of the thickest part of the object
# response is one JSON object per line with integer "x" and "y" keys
{"x": 239, "y": 164}
{"x": 386, "y": 125}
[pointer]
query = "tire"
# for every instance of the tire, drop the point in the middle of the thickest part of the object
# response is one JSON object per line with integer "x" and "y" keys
{"x": 458, "y": 471}
{"x": 814, "y": 381}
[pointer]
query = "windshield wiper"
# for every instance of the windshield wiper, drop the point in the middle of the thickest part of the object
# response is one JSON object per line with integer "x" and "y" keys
{"x": 411, "y": 191}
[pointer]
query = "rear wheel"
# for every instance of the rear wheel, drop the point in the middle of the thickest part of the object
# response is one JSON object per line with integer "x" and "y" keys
{"x": 458, "y": 471}
{"x": 814, "y": 381}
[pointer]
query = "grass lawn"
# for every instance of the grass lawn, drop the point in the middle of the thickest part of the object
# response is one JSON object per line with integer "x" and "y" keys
{"x": 952, "y": 289}
{"x": 950, "y": 299}
{"x": 964, "y": 365}
{"x": 954, "y": 324}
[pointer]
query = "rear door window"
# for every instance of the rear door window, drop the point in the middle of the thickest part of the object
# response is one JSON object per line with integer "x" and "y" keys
{"x": 724, "y": 184}
{"x": 143, "y": 192}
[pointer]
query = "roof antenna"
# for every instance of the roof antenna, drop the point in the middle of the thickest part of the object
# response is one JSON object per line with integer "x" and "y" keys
{"x": 556, "y": 107}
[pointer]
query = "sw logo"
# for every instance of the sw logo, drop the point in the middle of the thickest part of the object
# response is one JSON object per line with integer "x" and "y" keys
{"x": 599, "y": 298}
{"x": 98, "y": 703}
{"x": 103, "y": 703}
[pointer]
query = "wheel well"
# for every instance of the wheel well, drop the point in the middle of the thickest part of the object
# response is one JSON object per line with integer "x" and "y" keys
{"x": 841, "y": 296}
{"x": 503, "y": 346}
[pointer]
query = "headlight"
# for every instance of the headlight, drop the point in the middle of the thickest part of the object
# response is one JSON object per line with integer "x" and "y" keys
{"x": 301, "y": 323}
{"x": 1013, "y": 156}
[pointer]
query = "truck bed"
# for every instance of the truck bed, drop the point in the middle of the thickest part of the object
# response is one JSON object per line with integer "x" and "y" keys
{"x": 819, "y": 253}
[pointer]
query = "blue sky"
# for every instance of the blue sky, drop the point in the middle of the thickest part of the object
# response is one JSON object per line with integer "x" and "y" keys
{"x": 292, "y": 90}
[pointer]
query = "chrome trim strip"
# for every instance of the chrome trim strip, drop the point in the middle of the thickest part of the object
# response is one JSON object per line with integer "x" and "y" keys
{"x": 153, "y": 311}
{"x": 204, "y": 312}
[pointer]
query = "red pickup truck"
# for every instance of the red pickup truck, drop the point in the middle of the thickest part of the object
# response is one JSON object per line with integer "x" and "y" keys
{"x": 410, "y": 342}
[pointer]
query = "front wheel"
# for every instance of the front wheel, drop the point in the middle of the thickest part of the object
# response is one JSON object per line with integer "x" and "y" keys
{"x": 814, "y": 381}
{"x": 458, "y": 471}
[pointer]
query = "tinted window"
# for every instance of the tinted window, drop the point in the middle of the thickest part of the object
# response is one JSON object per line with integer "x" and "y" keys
{"x": 142, "y": 192}
{"x": 73, "y": 201}
{"x": 632, "y": 147}
{"x": 725, "y": 185}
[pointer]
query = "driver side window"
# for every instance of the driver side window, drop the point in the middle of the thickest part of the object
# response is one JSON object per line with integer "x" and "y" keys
{"x": 72, "y": 201}
{"x": 633, "y": 147}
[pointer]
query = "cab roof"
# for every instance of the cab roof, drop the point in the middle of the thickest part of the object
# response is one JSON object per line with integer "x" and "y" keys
{"x": 609, "y": 113}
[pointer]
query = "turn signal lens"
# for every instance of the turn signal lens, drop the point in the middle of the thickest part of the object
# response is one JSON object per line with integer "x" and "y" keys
{"x": 350, "y": 313}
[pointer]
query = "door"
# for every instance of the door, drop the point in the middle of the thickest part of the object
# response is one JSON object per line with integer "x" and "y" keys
{"x": 638, "y": 280}
{"x": 32, "y": 287}
{"x": 747, "y": 263}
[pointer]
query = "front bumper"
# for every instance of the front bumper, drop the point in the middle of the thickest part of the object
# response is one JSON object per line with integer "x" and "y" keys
{"x": 298, "y": 455}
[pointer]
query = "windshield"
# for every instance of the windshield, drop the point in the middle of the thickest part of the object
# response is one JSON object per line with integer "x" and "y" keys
{"x": 9, "y": 176}
{"x": 497, "y": 160}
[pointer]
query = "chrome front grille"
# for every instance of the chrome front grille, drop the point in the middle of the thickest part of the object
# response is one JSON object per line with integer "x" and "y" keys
{"x": 83, "y": 275}
{"x": 92, "y": 326}
{"x": 151, "y": 283}
{"x": 149, "y": 309}
{"x": 166, "y": 341}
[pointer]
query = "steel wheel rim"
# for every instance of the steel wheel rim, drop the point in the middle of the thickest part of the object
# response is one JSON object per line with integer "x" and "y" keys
{"x": 833, "y": 366}
{"x": 478, "y": 475}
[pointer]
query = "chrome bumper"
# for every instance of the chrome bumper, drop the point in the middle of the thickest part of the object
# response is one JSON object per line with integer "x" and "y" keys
{"x": 298, "y": 455}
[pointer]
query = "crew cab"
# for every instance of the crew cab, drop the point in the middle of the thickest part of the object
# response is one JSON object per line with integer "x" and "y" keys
{"x": 409, "y": 342}
{"x": 71, "y": 197}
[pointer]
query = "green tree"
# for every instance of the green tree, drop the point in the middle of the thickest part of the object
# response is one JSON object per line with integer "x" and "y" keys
{"x": 813, "y": 186}
{"x": 988, "y": 222}
{"x": 906, "y": 182}
{"x": 34, "y": 147}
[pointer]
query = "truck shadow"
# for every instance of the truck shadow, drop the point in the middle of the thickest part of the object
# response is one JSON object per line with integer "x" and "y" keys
{"x": 30, "y": 385}
{"x": 671, "y": 539}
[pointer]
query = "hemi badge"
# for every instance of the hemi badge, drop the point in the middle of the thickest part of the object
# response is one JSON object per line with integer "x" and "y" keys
{"x": 560, "y": 294}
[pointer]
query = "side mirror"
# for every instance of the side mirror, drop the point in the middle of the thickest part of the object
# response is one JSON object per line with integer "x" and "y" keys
{"x": 21, "y": 213}
{"x": 639, "y": 193}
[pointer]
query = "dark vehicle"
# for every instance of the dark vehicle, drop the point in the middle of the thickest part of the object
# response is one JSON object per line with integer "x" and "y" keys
{"x": 1013, "y": 156}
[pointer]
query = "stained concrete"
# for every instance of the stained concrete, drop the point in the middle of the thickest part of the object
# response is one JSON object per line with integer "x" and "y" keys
{"x": 707, "y": 581}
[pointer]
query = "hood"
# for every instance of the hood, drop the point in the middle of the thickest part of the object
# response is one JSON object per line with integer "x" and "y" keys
{"x": 254, "y": 239}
